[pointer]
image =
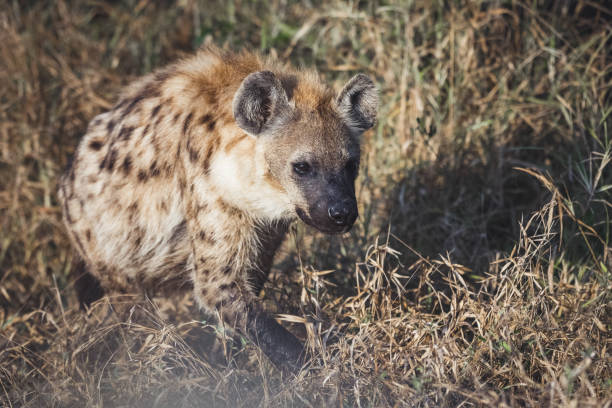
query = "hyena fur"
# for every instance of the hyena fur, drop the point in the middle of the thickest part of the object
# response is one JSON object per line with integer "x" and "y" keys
{"x": 194, "y": 176}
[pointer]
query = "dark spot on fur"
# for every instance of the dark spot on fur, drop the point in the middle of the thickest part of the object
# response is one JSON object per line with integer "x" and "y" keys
{"x": 121, "y": 104}
{"x": 140, "y": 234}
{"x": 127, "y": 164}
{"x": 150, "y": 90}
{"x": 168, "y": 169}
{"x": 178, "y": 152}
{"x": 155, "y": 111}
{"x": 227, "y": 271}
{"x": 155, "y": 143}
{"x": 176, "y": 117}
{"x": 227, "y": 208}
{"x": 126, "y": 132}
{"x": 187, "y": 122}
{"x": 202, "y": 235}
{"x": 222, "y": 205}
{"x": 209, "y": 121}
{"x": 109, "y": 160}
{"x": 210, "y": 149}
{"x": 133, "y": 207}
{"x": 133, "y": 103}
{"x": 193, "y": 155}
{"x": 205, "y": 118}
{"x": 146, "y": 130}
{"x": 211, "y": 96}
{"x": 110, "y": 126}
{"x": 95, "y": 145}
{"x": 88, "y": 235}
{"x": 154, "y": 169}
{"x": 142, "y": 176}
{"x": 204, "y": 292}
{"x": 178, "y": 232}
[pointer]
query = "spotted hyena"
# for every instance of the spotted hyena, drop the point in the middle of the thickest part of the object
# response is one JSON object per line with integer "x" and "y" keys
{"x": 194, "y": 176}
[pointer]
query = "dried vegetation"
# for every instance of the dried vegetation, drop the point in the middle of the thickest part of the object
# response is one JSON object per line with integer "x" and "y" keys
{"x": 478, "y": 273}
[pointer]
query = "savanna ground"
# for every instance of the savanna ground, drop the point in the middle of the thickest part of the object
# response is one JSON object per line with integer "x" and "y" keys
{"x": 478, "y": 273}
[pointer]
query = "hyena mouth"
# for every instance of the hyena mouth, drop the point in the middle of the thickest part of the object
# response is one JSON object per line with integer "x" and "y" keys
{"x": 323, "y": 227}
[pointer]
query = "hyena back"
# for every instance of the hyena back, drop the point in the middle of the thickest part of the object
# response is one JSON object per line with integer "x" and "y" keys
{"x": 194, "y": 176}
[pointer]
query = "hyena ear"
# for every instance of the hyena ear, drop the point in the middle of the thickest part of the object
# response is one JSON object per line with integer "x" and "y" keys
{"x": 260, "y": 105}
{"x": 358, "y": 102}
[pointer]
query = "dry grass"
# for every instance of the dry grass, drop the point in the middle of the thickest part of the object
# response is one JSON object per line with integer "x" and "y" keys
{"x": 478, "y": 273}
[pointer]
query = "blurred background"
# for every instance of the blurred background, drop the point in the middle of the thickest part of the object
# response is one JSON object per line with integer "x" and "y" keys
{"x": 478, "y": 272}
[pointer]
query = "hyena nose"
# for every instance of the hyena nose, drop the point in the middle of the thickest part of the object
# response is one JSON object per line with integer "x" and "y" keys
{"x": 339, "y": 213}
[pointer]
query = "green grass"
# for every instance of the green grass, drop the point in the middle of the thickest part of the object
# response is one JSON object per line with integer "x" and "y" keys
{"x": 478, "y": 274}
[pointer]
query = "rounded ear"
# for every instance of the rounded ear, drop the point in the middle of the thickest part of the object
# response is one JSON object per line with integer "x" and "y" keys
{"x": 358, "y": 103}
{"x": 260, "y": 105}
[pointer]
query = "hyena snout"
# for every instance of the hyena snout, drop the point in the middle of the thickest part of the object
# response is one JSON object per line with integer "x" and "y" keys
{"x": 343, "y": 213}
{"x": 334, "y": 214}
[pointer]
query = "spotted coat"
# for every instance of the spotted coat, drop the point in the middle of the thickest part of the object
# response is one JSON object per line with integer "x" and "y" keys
{"x": 190, "y": 181}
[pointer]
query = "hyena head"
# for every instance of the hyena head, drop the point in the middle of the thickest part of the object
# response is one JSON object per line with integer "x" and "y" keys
{"x": 310, "y": 140}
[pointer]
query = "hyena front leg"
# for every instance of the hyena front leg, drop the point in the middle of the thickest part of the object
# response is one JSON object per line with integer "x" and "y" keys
{"x": 224, "y": 249}
{"x": 87, "y": 286}
{"x": 270, "y": 238}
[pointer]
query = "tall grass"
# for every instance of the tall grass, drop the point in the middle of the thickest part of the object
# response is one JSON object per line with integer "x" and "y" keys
{"x": 478, "y": 273}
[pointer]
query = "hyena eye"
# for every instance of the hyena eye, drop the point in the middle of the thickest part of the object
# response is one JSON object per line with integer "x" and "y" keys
{"x": 301, "y": 168}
